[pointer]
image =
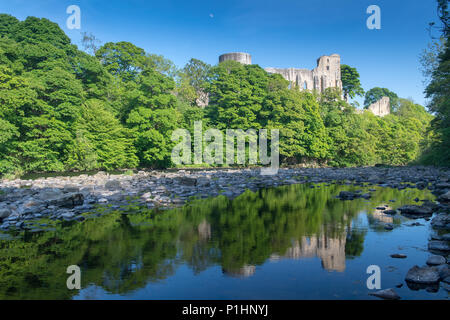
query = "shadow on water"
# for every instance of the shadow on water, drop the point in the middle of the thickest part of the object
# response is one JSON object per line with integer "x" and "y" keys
{"x": 124, "y": 252}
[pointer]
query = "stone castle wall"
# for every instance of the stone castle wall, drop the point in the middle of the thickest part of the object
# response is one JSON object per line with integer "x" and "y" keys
{"x": 241, "y": 57}
{"x": 381, "y": 108}
{"x": 327, "y": 74}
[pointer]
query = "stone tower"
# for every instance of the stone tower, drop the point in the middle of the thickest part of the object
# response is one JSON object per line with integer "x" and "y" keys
{"x": 381, "y": 107}
{"x": 327, "y": 74}
{"x": 240, "y": 57}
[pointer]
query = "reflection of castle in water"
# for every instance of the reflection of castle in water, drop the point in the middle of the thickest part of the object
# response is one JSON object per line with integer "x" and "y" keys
{"x": 330, "y": 250}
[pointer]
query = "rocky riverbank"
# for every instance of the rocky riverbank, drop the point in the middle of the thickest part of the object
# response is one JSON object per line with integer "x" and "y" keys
{"x": 67, "y": 198}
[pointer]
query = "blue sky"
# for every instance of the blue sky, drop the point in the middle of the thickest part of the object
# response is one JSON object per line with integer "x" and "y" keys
{"x": 277, "y": 33}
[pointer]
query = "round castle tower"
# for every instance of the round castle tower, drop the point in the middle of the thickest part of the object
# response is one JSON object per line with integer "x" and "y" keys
{"x": 241, "y": 57}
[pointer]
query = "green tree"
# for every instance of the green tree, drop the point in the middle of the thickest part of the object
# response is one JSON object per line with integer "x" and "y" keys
{"x": 351, "y": 86}
{"x": 375, "y": 94}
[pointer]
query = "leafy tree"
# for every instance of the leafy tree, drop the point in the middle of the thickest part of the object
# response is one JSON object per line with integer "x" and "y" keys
{"x": 375, "y": 94}
{"x": 122, "y": 59}
{"x": 351, "y": 85}
{"x": 438, "y": 91}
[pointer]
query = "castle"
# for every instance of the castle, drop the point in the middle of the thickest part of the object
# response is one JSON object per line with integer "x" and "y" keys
{"x": 327, "y": 74}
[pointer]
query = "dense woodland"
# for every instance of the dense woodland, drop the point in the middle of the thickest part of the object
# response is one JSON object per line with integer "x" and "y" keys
{"x": 115, "y": 106}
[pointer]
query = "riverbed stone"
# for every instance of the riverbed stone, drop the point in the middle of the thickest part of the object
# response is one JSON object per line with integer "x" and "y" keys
{"x": 423, "y": 275}
{"x": 445, "y": 197}
{"x": 439, "y": 245}
{"x": 4, "y": 213}
{"x": 435, "y": 260}
{"x": 388, "y": 294}
{"x": 66, "y": 200}
{"x": 113, "y": 185}
{"x": 416, "y": 210}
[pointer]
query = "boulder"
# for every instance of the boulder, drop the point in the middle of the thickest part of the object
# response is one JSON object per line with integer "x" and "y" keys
{"x": 187, "y": 181}
{"x": 444, "y": 198}
{"x": 435, "y": 260}
{"x": 423, "y": 275}
{"x": 67, "y": 200}
{"x": 440, "y": 221}
{"x": 438, "y": 245}
{"x": 4, "y": 213}
{"x": 388, "y": 294}
{"x": 113, "y": 185}
{"x": 415, "y": 210}
{"x": 347, "y": 195}
{"x": 444, "y": 271}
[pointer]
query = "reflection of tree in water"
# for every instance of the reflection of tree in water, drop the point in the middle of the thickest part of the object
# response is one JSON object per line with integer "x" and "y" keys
{"x": 122, "y": 253}
{"x": 354, "y": 244}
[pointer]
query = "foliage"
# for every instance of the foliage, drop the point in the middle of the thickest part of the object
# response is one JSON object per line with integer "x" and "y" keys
{"x": 375, "y": 94}
{"x": 351, "y": 86}
{"x": 65, "y": 109}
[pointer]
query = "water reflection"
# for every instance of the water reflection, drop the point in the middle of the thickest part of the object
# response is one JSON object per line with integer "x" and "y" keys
{"x": 122, "y": 252}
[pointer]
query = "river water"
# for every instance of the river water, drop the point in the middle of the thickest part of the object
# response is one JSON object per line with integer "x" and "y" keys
{"x": 290, "y": 242}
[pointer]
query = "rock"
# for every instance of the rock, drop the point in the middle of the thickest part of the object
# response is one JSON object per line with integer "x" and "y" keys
{"x": 347, "y": 195}
{"x": 49, "y": 194}
{"x": 102, "y": 200}
{"x": 440, "y": 221}
{"x": 423, "y": 275}
{"x": 435, "y": 260}
{"x": 446, "y": 237}
{"x": 366, "y": 196}
{"x": 445, "y": 198}
{"x": 4, "y": 213}
{"x": 388, "y": 226}
{"x": 390, "y": 212}
{"x": 205, "y": 182}
{"x": 416, "y": 210}
{"x": 187, "y": 181}
{"x": 446, "y": 280}
{"x": 438, "y": 245}
{"x": 444, "y": 271}
{"x": 66, "y": 200}
{"x": 113, "y": 185}
{"x": 398, "y": 256}
{"x": 380, "y": 208}
{"x": 388, "y": 294}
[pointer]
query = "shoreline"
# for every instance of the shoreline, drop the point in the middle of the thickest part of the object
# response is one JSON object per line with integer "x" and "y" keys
{"x": 66, "y": 197}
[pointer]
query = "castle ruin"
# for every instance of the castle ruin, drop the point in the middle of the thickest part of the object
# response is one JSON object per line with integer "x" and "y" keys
{"x": 327, "y": 74}
{"x": 381, "y": 108}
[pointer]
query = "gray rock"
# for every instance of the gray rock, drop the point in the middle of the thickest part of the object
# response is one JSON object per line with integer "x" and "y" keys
{"x": 438, "y": 245}
{"x": 113, "y": 185}
{"x": 388, "y": 294}
{"x": 435, "y": 260}
{"x": 444, "y": 271}
{"x": 4, "y": 213}
{"x": 416, "y": 210}
{"x": 440, "y": 221}
{"x": 66, "y": 200}
{"x": 391, "y": 212}
{"x": 445, "y": 198}
{"x": 187, "y": 181}
{"x": 423, "y": 275}
{"x": 347, "y": 195}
